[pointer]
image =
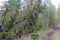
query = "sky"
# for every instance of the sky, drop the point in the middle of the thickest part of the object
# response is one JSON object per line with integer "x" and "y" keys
{"x": 2, "y": 2}
{"x": 55, "y": 2}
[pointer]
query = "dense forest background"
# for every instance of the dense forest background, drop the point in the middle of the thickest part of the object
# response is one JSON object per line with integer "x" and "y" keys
{"x": 19, "y": 18}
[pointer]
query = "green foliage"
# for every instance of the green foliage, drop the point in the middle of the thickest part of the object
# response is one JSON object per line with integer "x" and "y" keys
{"x": 17, "y": 22}
{"x": 34, "y": 36}
{"x": 1, "y": 35}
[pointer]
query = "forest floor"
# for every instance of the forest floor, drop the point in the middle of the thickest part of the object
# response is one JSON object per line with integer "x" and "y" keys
{"x": 50, "y": 34}
{"x": 45, "y": 34}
